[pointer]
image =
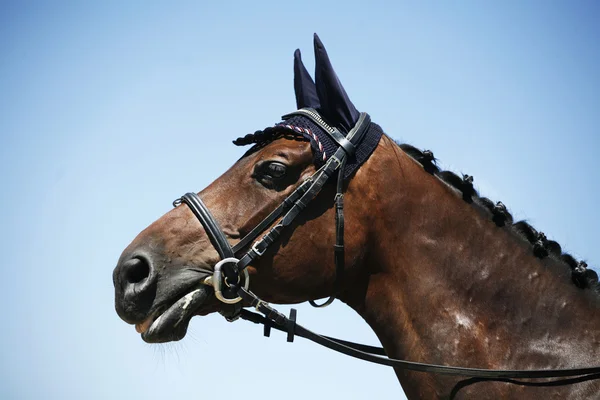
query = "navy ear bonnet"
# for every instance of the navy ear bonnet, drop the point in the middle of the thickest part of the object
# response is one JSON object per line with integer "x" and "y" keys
{"x": 330, "y": 100}
{"x": 322, "y": 145}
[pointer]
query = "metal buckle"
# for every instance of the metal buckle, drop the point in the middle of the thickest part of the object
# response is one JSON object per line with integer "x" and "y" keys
{"x": 217, "y": 279}
{"x": 337, "y": 161}
{"x": 256, "y": 250}
{"x": 261, "y": 303}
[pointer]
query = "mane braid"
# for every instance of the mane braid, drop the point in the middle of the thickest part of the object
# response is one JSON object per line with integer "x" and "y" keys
{"x": 542, "y": 248}
{"x": 425, "y": 158}
{"x": 464, "y": 184}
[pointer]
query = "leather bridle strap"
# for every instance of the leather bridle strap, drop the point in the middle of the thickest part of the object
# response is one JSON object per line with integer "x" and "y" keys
{"x": 268, "y": 221}
{"x": 210, "y": 224}
{"x": 315, "y": 186}
{"x": 377, "y": 355}
{"x": 338, "y": 247}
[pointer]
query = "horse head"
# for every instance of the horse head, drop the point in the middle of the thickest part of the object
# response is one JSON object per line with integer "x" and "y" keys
{"x": 160, "y": 280}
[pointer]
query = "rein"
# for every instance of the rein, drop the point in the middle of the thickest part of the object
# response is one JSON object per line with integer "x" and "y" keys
{"x": 230, "y": 278}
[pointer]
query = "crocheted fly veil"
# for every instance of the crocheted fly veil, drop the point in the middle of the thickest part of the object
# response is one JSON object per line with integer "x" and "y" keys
{"x": 329, "y": 99}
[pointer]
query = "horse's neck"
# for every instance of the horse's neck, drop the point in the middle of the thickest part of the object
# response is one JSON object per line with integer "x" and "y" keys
{"x": 451, "y": 288}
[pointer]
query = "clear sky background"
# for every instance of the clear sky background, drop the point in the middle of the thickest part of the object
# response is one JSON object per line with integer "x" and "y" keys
{"x": 110, "y": 110}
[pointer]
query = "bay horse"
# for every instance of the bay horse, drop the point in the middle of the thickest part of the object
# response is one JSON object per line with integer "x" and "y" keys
{"x": 441, "y": 274}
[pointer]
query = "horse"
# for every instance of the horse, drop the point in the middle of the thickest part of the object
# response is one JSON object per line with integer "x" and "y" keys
{"x": 439, "y": 272}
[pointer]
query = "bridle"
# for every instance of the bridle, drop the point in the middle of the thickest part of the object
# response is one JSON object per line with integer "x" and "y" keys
{"x": 230, "y": 279}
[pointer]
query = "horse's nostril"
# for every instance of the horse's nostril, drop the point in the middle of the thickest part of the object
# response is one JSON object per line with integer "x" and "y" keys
{"x": 136, "y": 270}
{"x": 135, "y": 288}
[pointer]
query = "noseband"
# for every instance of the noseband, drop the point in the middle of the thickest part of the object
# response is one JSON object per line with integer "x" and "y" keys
{"x": 230, "y": 278}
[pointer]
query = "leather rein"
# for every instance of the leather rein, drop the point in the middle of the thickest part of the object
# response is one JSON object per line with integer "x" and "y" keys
{"x": 230, "y": 279}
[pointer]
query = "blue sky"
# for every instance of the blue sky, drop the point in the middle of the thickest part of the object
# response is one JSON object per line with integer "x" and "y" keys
{"x": 110, "y": 110}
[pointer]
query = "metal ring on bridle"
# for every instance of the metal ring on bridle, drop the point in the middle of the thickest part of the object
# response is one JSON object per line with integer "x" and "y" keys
{"x": 227, "y": 282}
{"x": 217, "y": 280}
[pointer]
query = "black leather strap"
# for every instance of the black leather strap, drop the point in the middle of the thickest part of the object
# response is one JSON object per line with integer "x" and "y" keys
{"x": 312, "y": 192}
{"x": 338, "y": 247}
{"x": 358, "y": 132}
{"x": 268, "y": 324}
{"x": 377, "y": 355}
{"x": 354, "y": 135}
{"x": 268, "y": 221}
{"x": 250, "y": 299}
{"x": 314, "y": 187}
{"x": 210, "y": 224}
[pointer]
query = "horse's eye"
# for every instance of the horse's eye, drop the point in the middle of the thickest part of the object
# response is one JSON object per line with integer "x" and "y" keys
{"x": 275, "y": 170}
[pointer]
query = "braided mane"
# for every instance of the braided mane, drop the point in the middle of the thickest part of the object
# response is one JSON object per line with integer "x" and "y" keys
{"x": 541, "y": 247}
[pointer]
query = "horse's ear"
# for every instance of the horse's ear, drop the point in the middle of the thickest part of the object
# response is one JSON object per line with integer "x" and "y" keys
{"x": 306, "y": 91}
{"x": 336, "y": 106}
